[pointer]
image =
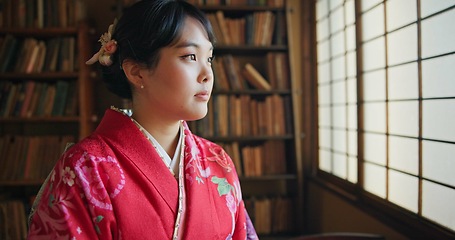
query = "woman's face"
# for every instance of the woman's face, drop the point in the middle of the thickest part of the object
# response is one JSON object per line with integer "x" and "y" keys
{"x": 179, "y": 87}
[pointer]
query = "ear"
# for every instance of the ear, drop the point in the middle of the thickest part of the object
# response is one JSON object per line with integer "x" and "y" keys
{"x": 133, "y": 72}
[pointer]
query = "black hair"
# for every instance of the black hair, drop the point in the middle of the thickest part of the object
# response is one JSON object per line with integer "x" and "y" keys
{"x": 142, "y": 31}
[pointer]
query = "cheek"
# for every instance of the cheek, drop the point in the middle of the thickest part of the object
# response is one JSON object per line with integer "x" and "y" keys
{"x": 175, "y": 78}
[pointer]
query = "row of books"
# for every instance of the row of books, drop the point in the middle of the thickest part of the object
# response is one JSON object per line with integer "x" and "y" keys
{"x": 232, "y": 115}
{"x": 38, "y": 99}
{"x": 30, "y": 157}
{"x": 270, "y": 3}
{"x": 271, "y": 215}
{"x": 268, "y": 158}
{"x": 255, "y": 29}
{"x": 30, "y": 55}
{"x": 230, "y": 75}
{"x": 41, "y": 13}
{"x": 13, "y": 223}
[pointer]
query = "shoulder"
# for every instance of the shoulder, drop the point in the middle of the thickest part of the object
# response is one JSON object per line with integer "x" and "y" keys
{"x": 93, "y": 144}
{"x": 91, "y": 153}
{"x": 91, "y": 164}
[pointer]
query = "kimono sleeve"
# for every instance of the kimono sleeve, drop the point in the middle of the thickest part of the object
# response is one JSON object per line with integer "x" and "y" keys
{"x": 63, "y": 208}
{"x": 250, "y": 231}
{"x": 244, "y": 223}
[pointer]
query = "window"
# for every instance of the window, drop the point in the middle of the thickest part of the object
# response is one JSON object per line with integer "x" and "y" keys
{"x": 393, "y": 125}
{"x": 337, "y": 89}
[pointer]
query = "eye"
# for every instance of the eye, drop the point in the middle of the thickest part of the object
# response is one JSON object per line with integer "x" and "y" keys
{"x": 191, "y": 57}
{"x": 210, "y": 59}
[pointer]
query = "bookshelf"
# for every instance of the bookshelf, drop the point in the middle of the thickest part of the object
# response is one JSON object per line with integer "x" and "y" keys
{"x": 46, "y": 97}
{"x": 254, "y": 112}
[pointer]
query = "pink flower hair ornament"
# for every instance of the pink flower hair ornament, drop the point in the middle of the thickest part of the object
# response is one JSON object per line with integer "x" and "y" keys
{"x": 108, "y": 47}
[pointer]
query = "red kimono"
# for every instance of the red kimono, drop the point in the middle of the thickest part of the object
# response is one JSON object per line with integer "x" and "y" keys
{"x": 114, "y": 185}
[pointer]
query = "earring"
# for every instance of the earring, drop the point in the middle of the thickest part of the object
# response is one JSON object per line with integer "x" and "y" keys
{"x": 142, "y": 86}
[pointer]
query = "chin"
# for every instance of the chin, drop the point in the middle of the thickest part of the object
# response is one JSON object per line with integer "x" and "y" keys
{"x": 197, "y": 115}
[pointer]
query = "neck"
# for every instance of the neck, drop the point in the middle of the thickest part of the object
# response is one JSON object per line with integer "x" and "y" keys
{"x": 166, "y": 133}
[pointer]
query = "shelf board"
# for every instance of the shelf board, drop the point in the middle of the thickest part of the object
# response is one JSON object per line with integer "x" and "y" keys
{"x": 43, "y": 75}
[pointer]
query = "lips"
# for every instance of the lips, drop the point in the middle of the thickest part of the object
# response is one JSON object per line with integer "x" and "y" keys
{"x": 203, "y": 95}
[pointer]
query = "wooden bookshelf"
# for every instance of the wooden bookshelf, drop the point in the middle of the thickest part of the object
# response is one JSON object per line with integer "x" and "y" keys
{"x": 267, "y": 160}
{"x": 77, "y": 76}
{"x": 58, "y": 68}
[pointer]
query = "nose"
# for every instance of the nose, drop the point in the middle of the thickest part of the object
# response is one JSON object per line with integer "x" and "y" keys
{"x": 206, "y": 73}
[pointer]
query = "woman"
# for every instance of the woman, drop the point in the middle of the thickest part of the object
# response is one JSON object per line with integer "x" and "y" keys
{"x": 145, "y": 175}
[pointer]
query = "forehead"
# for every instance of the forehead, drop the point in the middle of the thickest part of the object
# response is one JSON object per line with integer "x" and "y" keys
{"x": 193, "y": 34}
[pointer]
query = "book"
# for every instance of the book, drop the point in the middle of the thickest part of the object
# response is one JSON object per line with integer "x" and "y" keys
{"x": 5, "y": 220}
{"x": 72, "y": 103}
{"x": 269, "y": 115}
{"x": 280, "y": 35}
{"x": 49, "y": 100}
{"x": 64, "y": 54}
{"x": 11, "y": 100}
{"x": 236, "y": 158}
{"x": 62, "y": 13}
{"x": 255, "y": 78}
{"x": 233, "y": 115}
{"x": 20, "y": 97}
{"x": 7, "y": 147}
{"x": 269, "y": 27}
{"x": 10, "y": 50}
{"x": 224, "y": 28}
{"x": 278, "y": 124}
{"x": 221, "y": 115}
{"x": 21, "y": 55}
{"x": 221, "y": 82}
{"x": 30, "y": 159}
{"x": 3, "y": 47}
{"x": 5, "y": 87}
{"x": 249, "y": 29}
{"x": 34, "y": 102}
{"x": 232, "y": 72}
{"x": 61, "y": 95}
{"x": 240, "y": 119}
{"x": 216, "y": 28}
{"x": 20, "y": 157}
{"x": 71, "y": 54}
{"x": 41, "y": 101}
{"x": 52, "y": 63}
{"x": 288, "y": 113}
{"x": 41, "y": 57}
{"x": 263, "y": 216}
{"x": 246, "y": 115}
{"x": 40, "y": 13}
{"x": 271, "y": 69}
{"x": 254, "y": 121}
{"x": 31, "y": 63}
{"x": 30, "y": 14}
{"x": 282, "y": 70}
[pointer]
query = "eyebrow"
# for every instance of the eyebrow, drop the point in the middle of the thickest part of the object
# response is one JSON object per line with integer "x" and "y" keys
{"x": 186, "y": 44}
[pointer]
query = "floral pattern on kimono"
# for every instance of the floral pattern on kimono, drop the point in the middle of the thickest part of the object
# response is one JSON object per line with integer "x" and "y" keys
{"x": 114, "y": 185}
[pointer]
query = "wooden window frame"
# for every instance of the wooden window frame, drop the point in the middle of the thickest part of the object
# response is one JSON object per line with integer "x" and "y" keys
{"x": 404, "y": 221}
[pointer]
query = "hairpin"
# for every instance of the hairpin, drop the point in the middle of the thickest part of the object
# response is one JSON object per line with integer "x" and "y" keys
{"x": 108, "y": 47}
